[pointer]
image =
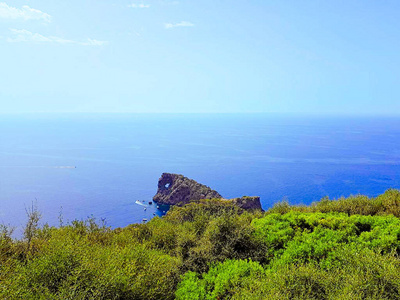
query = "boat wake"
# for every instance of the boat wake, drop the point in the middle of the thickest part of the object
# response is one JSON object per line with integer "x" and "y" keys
{"x": 140, "y": 203}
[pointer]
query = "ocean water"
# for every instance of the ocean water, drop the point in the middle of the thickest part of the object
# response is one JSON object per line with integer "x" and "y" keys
{"x": 100, "y": 165}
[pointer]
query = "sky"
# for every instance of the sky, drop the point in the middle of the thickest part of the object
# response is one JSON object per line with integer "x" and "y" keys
{"x": 209, "y": 56}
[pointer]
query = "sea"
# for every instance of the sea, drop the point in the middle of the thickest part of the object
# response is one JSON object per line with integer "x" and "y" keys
{"x": 75, "y": 166}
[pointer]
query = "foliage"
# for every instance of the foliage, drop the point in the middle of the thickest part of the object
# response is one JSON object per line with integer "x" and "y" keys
{"x": 315, "y": 237}
{"x": 333, "y": 249}
{"x": 385, "y": 204}
{"x": 361, "y": 275}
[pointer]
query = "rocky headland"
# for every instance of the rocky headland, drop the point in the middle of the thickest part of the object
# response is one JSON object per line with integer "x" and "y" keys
{"x": 175, "y": 189}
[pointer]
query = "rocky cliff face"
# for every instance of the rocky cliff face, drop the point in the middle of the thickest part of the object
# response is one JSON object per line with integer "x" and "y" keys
{"x": 176, "y": 189}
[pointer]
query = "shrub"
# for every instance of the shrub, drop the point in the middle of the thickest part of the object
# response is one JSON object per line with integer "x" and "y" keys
{"x": 220, "y": 282}
{"x": 315, "y": 237}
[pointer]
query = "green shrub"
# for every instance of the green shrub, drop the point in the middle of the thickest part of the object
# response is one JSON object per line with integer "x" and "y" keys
{"x": 315, "y": 237}
{"x": 225, "y": 237}
{"x": 220, "y": 282}
{"x": 363, "y": 274}
{"x": 385, "y": 204}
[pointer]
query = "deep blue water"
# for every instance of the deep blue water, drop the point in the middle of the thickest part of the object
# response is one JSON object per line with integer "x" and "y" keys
{"x": 119, "y": 159}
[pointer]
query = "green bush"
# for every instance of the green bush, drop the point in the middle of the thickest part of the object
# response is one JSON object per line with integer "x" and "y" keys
{"x": 315, "y": 237}
{"x": 385, "y": 204}
{"x": 220, "y": 282}
{"x": 362, "y": 275}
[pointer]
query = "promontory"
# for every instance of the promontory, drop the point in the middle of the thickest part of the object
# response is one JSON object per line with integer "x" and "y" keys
{"x": 176, "y": 189}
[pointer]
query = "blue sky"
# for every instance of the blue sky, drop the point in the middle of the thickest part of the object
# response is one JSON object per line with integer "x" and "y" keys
{"x": 209, "y": 56}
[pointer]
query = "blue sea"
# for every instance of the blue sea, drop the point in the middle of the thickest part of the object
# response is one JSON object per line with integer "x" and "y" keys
{"x": 100, "y": 164}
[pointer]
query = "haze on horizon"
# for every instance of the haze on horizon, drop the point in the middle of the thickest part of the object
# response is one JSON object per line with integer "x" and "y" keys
{"x": 186, "y": 56}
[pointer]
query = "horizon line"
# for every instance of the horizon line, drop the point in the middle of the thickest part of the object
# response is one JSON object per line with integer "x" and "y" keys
{"x": 322, "y": 114}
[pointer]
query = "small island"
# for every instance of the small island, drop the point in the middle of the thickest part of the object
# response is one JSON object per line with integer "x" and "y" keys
{"x": 176, "y": 189}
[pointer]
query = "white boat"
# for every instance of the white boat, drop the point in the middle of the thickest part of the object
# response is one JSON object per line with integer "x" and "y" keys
{"x": 140, "y": 203}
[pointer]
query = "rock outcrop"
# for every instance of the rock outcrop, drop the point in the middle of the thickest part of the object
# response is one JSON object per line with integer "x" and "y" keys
{"x": 248, "y": 203}
{"x": 175, "y": 189}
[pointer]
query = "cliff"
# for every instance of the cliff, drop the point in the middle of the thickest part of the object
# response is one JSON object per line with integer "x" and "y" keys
{"x": 175, "y": 189}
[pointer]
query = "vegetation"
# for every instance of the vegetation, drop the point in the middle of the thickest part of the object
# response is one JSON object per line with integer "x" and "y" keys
{"x": 210, "y": 249}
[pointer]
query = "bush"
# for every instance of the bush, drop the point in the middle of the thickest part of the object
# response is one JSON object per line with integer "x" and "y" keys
{"x": 362, "y": 275}
{"x": 385, "y": 204}
{"x": 220, "y": 282}
{"x": 315, "y": 237}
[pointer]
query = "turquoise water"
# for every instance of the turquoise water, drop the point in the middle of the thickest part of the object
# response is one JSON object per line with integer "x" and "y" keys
{"x": 101, "y": 164}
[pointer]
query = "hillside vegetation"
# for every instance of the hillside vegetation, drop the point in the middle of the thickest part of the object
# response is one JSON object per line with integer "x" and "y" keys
{"x": 210, "y": 249}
